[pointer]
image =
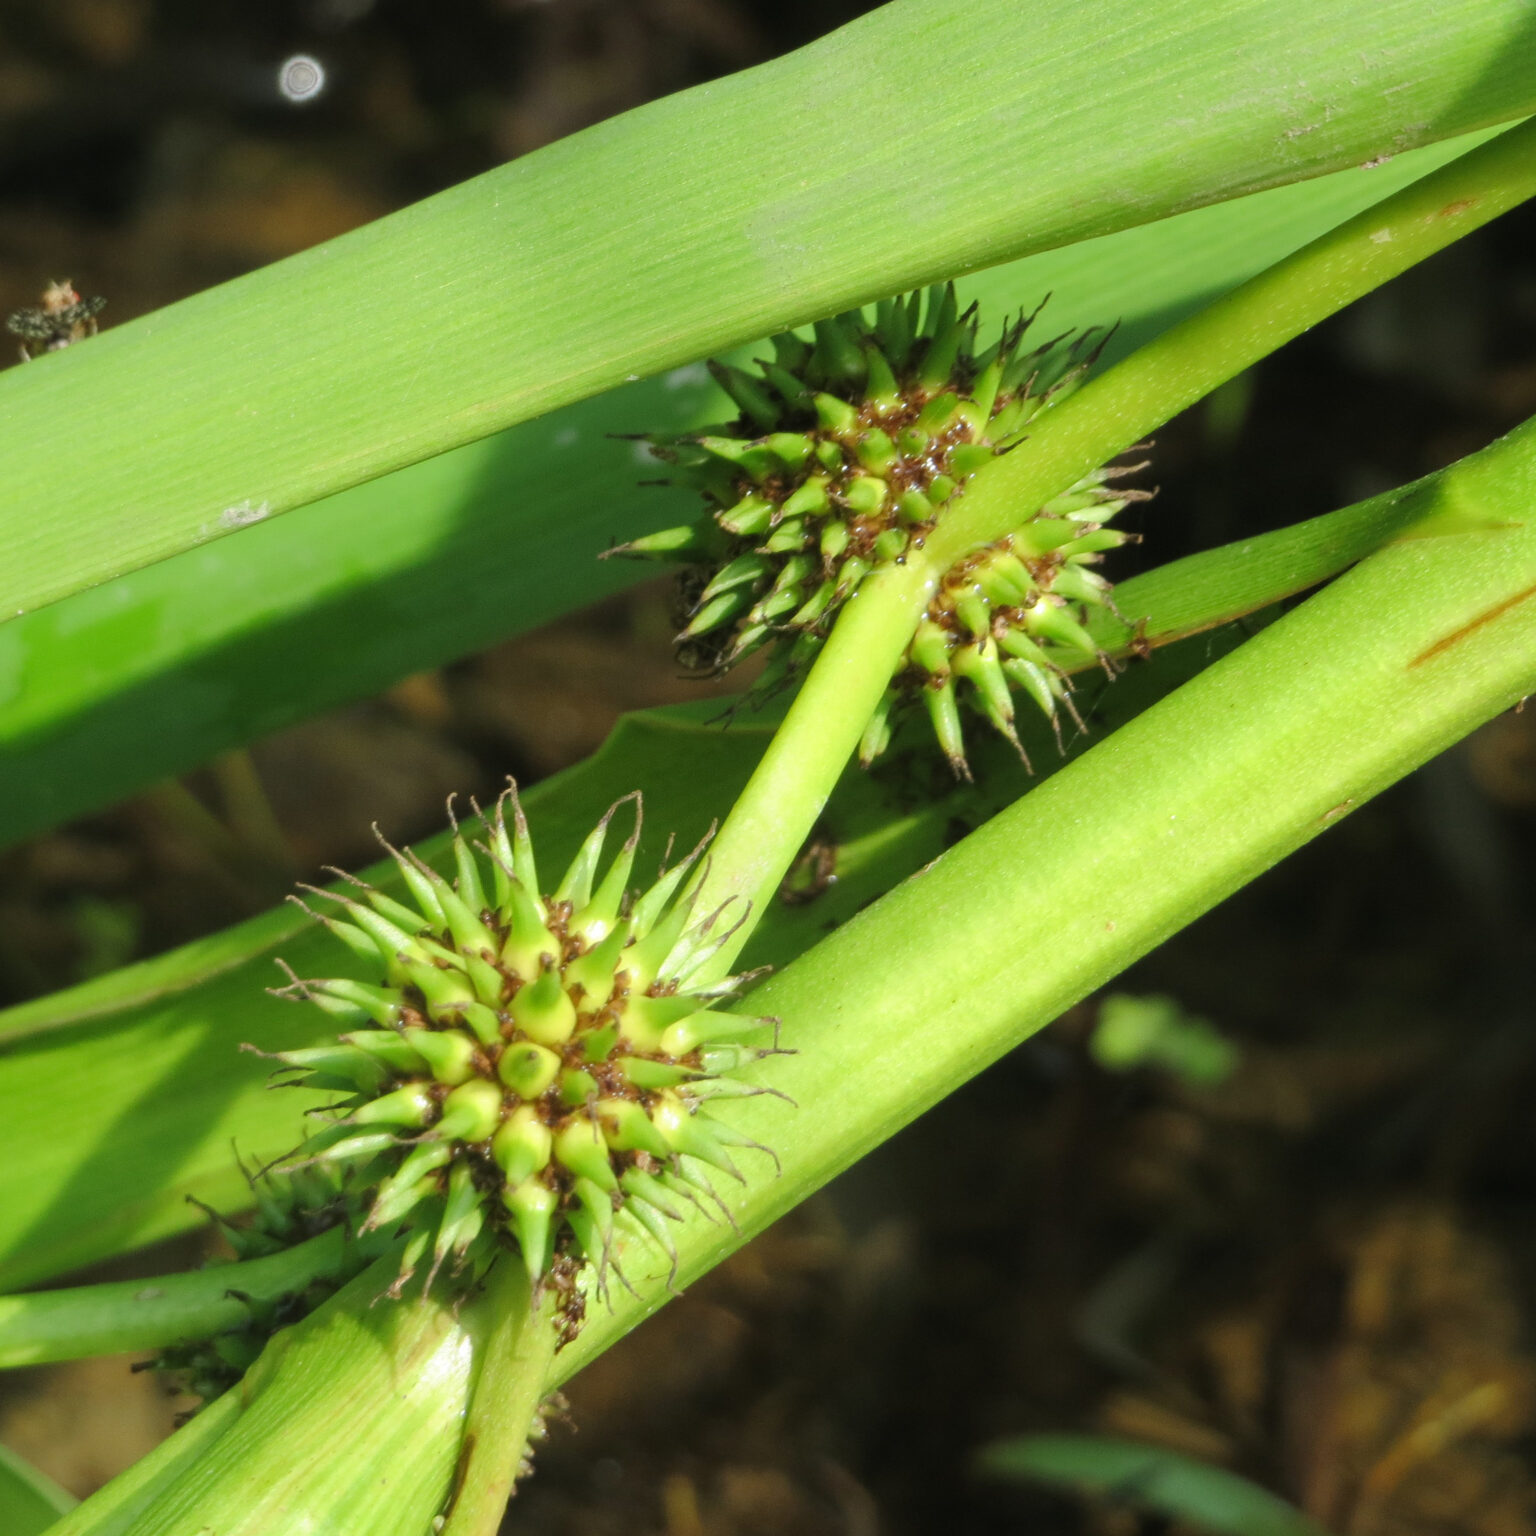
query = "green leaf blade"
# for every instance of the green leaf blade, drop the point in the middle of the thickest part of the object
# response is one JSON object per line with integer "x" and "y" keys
{"x": 108, "y": 690}
{"x": 702, "y": 221}
{"x": 1147, "y": 1477}
{"x": 30, "y": 1502}
{"x": 92, "y": 1186}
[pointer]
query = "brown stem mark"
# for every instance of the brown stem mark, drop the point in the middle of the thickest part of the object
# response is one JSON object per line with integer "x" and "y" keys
{"x": 1457, "y": 636}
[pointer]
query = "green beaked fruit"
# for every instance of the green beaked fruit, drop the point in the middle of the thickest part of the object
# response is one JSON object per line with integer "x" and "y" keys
{"x": 528, "y": 1070}
{"x": 846, "y": 452}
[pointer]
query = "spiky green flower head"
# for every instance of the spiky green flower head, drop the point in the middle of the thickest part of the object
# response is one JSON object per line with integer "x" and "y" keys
{"x": 844, "y": 457}
{"x": 529, "y": 1070}
{"x": 1009, "y": 617}
{"x": 290, "y": 1208}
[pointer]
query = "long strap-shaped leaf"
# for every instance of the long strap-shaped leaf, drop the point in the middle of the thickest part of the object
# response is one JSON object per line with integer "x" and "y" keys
{"x": 75, "y": 1187}
{"x": 930, "y": 137}
{"x": 1253, "y": 758}
{"x": 151, "y": 674}
{"x": 1271, "y": 746}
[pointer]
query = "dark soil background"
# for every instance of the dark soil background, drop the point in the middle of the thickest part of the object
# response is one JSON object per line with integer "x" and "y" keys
{"x": 1317, "y": 1273}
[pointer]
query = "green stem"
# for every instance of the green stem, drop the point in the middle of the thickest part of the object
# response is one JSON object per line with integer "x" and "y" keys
{"x": 809, "y": 751}
{"x": 780, "y": 804}
{"x": 131, "y": 1315}
{"x": 1158, "y": 822}
{"x": 1188, "y": 361}
{"x": 880, "y": 842}
{"x": 1215, "y": 586}
{"x": 505, "y": 1401}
